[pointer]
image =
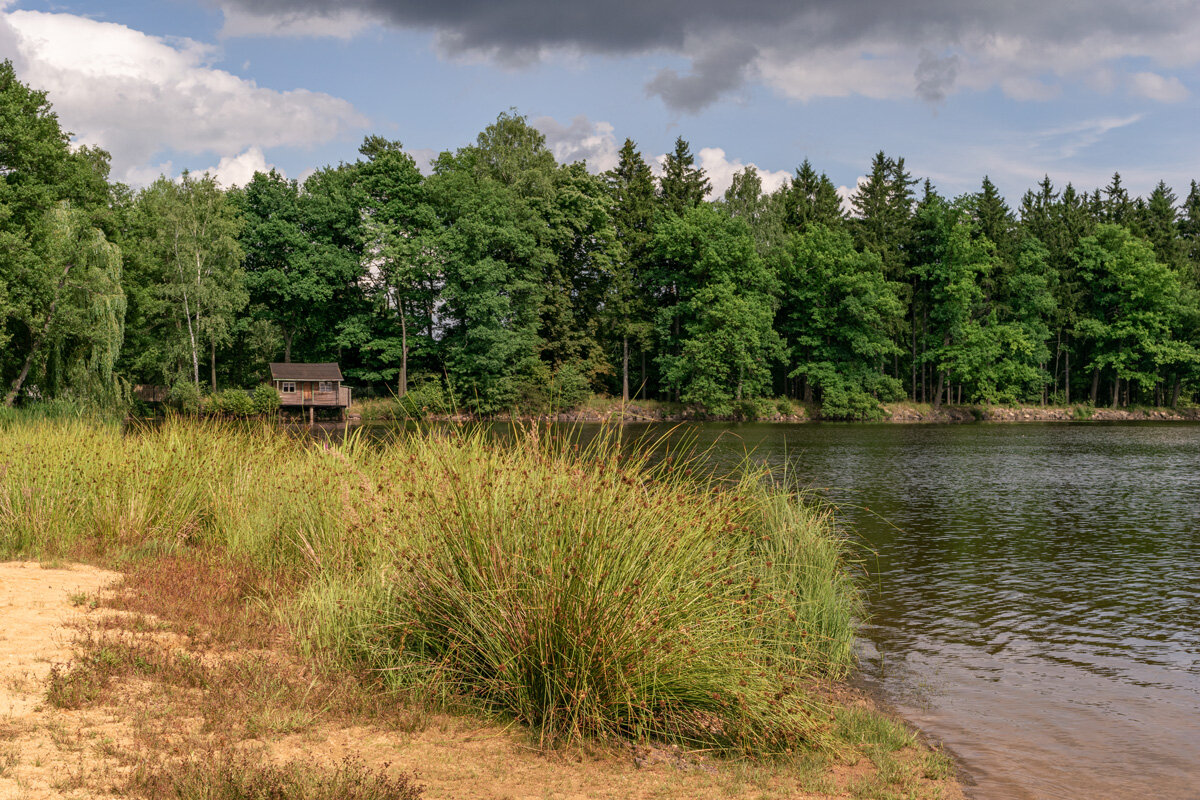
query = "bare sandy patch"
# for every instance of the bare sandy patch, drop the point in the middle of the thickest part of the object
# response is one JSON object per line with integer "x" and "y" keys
{"x": 39, "y": 609}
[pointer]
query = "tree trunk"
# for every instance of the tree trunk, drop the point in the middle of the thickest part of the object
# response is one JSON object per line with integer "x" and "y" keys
{"x": 937, "y": 390}
{"x": 913, "y": 371}
{"x": 1116, "y": 392}
{"x": 1175, "y": 392}
{"x": 625, "y": 368}
{"x": 403, "y": 354}
{"x": 1067, "y": 377}
{"x": 287, "y": 345}
{"x": 1057, "y": 358}
{"x": 214, "y": 365}
{"x": 36, "y": 344}
{"x": 1095, "y": 384}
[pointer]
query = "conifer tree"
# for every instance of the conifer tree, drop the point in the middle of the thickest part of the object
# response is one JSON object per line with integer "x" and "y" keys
{"x": 631, "y": 187}
{"x": 683, "y": 185}
{"x": 812, "y": 199}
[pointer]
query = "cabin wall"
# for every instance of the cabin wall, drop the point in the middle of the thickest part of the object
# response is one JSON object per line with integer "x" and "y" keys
{"x": 308, "y": 393}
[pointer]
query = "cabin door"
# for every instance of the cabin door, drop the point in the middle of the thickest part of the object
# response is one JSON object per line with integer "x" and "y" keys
{"x": 307, "y": 390}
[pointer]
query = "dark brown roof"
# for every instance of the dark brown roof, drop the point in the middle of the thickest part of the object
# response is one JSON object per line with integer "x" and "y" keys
{"x": 305, "y": 372}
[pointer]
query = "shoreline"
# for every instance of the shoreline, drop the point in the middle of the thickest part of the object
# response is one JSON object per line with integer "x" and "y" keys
{"x": 895, "y": 413}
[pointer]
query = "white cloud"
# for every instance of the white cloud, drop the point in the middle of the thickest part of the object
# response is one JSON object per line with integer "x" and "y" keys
{"x": 581, "y": 140}
{"x": 137, "y": 95}
{"x": 338, "y": 24}
{"x": 721, "y": 169}
{"x": 881, "y": 71}
{"x": 1022, "y": 65}
{"x": 1069, "y": 140}
{"x": 424, "y": 156}
{"x": 845, "y": 193}
{"x": 240, "y": 169}
{"x": 1153, "y": 86}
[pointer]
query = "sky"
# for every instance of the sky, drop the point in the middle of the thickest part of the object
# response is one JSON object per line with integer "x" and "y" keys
{"x": 1011, "y": 89}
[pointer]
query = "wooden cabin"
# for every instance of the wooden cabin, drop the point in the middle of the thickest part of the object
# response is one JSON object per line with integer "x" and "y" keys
{"x": 310, "y": 386}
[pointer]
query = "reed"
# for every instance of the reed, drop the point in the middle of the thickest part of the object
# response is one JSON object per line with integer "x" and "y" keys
{"x": 582, "y": 590}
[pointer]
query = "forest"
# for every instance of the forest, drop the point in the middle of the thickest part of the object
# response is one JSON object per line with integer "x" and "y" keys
{"x": 504, "y": 281}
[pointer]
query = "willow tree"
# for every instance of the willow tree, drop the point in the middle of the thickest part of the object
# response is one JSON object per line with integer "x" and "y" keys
{"x": 54, "y": 261}
{"x": 80, "y": 330}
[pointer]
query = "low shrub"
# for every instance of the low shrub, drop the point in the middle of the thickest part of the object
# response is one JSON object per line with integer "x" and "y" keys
{"x": 264, "y": 400}
{"x": 425, "y": 399}
{"x": 234, "y": 403}
{"x": 184, "y": 397}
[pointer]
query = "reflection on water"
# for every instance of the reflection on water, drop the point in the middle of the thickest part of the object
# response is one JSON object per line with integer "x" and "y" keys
{"x": 1034, "y": 590}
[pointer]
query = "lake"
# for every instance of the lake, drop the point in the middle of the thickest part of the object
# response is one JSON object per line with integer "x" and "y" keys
{"x": 1034, "y": 590}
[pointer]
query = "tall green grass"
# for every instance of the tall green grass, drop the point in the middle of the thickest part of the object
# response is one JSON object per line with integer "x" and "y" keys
{"x": 586, "y": 593}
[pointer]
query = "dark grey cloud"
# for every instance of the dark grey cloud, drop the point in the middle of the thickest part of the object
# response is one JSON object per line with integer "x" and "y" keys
{"x": 935, "y": 76}
{"x": 713, "y": 74}
{"x": 724, "y": 38}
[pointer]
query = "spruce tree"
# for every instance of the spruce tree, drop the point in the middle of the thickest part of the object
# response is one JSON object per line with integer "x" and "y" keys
{"x": 683, "y": 185}
{"x": 631, "y": 187}
{"x": 812, "y": 199}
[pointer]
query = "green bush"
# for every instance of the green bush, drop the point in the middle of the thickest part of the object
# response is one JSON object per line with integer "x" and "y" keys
{"x": 785, "y": 407}
{"x": 232, "y": 403}
{"x": 184, "y": 397}
{"x": 569, "y": 388}
{"x": 424, "y": 399}
{"x": 265, "y": 399}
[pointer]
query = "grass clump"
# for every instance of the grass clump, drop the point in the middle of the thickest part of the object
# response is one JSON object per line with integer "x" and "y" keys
{"x": 243, "y": 777}
{"x": 590, "y": 595}
{"x": 587, "y": 594}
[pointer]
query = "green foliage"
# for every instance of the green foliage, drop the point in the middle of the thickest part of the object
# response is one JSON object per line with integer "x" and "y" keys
{"x": 265, "y": 399}
{"x": 426, "y": 398}
{"x": 528, "y": 285}
{"x": 1134, "y": 309}
{"x": 836, "y": 312}
{"x": 235, "y": 403}
{"x": 720, "y": 331}
{"x": 683, "y": 185}
{"x": 184, "y": 396}
{"x": 62, "y": 308}
{"x": 193, "y": 267}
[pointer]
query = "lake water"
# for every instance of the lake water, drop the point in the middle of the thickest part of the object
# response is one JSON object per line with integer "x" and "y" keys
{"x": 1034, "y": 591}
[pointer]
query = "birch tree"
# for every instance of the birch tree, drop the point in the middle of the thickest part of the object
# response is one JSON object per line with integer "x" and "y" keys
{"x": 194, "y": 231}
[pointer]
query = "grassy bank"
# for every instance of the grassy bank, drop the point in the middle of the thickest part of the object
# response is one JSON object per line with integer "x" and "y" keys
{"x": 585, "y": 595}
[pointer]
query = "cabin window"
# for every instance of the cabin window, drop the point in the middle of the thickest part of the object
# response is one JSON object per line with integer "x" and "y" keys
{"x": 324, "y": 386}
{"x": 287, "y": 387}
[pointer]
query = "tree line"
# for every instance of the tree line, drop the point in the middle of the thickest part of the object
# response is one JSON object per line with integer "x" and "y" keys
{"x": 504, "y": 280}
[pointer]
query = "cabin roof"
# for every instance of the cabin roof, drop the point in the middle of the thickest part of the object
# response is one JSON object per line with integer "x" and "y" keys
{"x": 305, "y": 372}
